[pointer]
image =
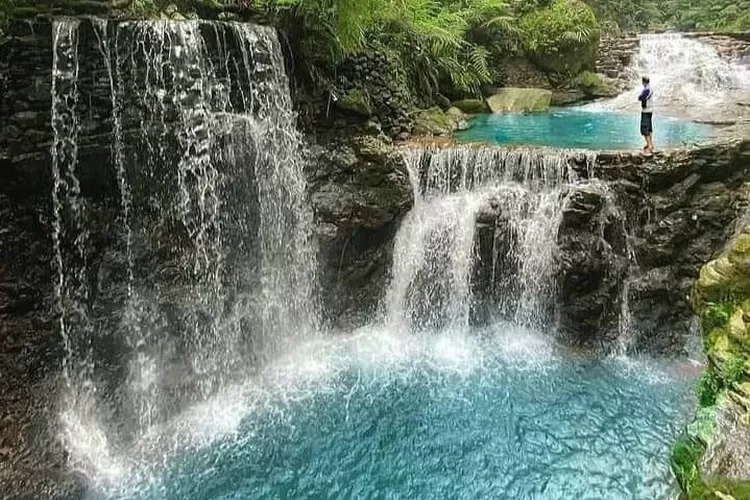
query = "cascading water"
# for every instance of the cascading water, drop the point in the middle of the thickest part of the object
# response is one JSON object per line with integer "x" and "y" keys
{"x": 215, "y": 268}
{"x": 190, "y": 369}
{"x": 686, "y": 74}
{"x": 435, "y": 247}
{"x": 68, "y": 236}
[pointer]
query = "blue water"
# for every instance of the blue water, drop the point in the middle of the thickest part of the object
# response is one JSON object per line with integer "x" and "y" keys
{"x": 577, "y": 128}
{"x": 499, "y": 414}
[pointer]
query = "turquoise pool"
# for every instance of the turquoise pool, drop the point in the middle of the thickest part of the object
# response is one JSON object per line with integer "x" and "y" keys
{"x": 577, "y": 128}
{"x": 497, "y": 414}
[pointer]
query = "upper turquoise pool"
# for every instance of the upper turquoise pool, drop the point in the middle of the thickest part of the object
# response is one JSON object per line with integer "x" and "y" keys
{"x": 578, "y": 128}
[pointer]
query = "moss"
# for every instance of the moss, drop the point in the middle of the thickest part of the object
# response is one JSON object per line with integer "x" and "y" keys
{"x": 434, "y": 122}
{"x": 594, "y": 85}
{"x": 716, "y": 315}
{"x": 733, "y": 370}
{"x": 356, "y": 101}
{"x": 708, "y": 388}
{"x": 686, "y": 454}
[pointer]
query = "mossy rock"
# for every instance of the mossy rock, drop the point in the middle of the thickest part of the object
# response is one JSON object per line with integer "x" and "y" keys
{"x": 727, "y": 276}
{"x": 686, "y": 457}
{"x": 721, "y": 297}
{"x": 511, "y": 99}
{"x": 356, "y": 101}
{"x": 462, "y": 122}
{"x": 433, "y": 121}
{"x": 471, "y": 106}
{"x": 594, "y": 85}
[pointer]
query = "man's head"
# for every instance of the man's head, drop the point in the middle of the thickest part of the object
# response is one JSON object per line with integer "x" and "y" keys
{"x": 645, "y": 80}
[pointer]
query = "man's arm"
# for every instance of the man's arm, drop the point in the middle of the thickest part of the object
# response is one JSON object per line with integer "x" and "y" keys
{"x": 644, "y": 94}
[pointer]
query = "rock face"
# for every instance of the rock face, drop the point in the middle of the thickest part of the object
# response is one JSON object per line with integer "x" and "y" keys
{"x": 692, "y": 202}
{"x": 614, "y": 55}
{"x": 594, "y": 265}
{"x": 512, "y": 99}
{"x": 360, "y": 191}
{"x": 373, "y": 89}
{"x": 631, "y": 243}
{"x": 732, "y": 46}
{"x": 712, "y": 457}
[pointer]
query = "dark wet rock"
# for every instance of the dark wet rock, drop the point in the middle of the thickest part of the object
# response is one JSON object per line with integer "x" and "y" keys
{"x": 371, "y": 86}
{"x": 593, "y": 265}
{"x": 681, "y": 208}
{"x": 360, "y": 191}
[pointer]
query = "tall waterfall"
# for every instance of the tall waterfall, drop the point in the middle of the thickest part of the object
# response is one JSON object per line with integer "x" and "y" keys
{"x": 685, "y": 73}
{"x": 214, "y": 267}
{"x": 520, "y": 193}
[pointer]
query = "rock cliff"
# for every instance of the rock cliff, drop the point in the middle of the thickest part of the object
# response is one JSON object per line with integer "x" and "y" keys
{"x": 711, "y": 459}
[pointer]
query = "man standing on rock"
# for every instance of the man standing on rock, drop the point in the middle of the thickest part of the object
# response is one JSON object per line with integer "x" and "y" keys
{"x": 647, "y": 113}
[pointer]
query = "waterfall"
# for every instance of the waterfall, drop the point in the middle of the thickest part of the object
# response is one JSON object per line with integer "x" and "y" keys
{"x": 684, "y": 73}
{"x": 67, "y": 232}
{"x": 520, "y": 191}
{"x": 213, "y": 270}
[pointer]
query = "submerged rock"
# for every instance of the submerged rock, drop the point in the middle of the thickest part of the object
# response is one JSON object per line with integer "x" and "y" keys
{"x": 512, "y": 99}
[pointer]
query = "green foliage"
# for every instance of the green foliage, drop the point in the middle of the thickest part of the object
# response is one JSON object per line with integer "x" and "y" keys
{"x": 708, "y": 388}
{"x": 438, "y": 42}
{"x": 639, "y": 15}
{"x": 733, "y": 370}
{"x": 716, "y": 315}
{"x": 562, "y": 37}
{"x": 700, "y": 15}
{"x": 685, "y": 458}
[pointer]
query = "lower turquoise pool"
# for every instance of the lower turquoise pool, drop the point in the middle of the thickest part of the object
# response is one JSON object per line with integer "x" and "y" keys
{"x": 579, "y": 128}
{"x": 497, "y": 414}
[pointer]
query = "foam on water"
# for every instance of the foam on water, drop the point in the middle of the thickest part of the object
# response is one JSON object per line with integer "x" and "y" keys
{"x": 430, "y": 416}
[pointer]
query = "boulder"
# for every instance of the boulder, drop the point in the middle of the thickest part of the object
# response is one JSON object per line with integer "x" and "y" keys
{"x": 471, "y": 106}
{"x": 356, "y": 101}
{"x": 433, "y": 122}
{"x": 511, "y": 99}
{"x": 460, "y": 117}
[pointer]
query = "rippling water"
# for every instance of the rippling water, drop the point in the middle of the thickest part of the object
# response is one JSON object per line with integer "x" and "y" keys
{"x": 577, "y": 128}
{"x": 500, "y": 413}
